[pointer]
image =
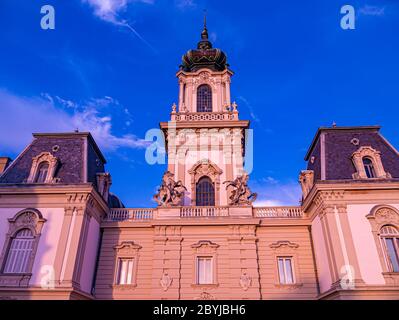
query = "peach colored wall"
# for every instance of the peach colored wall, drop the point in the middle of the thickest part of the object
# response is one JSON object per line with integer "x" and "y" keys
{"x": 89, "y": 260}
{"x": 171, "y": 251}
{"x": 366, "y": 250}
{"x": 323, "y": 269}
{"x": 48, "y": 242}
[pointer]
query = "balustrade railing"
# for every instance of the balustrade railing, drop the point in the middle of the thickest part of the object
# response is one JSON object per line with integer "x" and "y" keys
{"x": 277, "y": 212}
{"x": 204, "y": 116}
{"x": 127, "y": 214}
{"x": 130, "y": 214}
{"x": 199, "y": 212}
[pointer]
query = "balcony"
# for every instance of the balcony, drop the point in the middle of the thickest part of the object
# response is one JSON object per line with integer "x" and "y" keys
{"x": 204, "y": 116}
{"x": 146, "y": 214}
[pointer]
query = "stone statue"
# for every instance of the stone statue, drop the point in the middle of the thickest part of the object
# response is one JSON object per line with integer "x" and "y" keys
{"x": 170, "y": 193}
{"x": 241, "y": 194}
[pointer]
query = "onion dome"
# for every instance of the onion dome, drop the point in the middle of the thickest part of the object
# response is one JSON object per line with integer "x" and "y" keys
{"x": 204, "y": 56}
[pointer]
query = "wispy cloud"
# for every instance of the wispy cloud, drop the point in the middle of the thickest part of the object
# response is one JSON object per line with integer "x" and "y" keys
{"x": 111, "y": 10}
{"x": 368, "y": 10}
{"x": 250, "y": 108}
{"x": 185, "y": 4}
{"x": 24, "y": 115}
{"x": 272, "y": 192}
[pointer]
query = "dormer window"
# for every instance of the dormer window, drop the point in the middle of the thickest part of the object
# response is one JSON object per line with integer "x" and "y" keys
{"x": 369, "y": 168}
{"x": 204, "y": 98}
{"x": 42, "y": 172}
{"x": 43, "y": 168}
{"x": 368, "y": 164}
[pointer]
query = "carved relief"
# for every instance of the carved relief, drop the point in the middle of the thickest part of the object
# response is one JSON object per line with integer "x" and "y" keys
{"x": 245, "y": 281}
{"x": 36, "y": 161}
{"x": 241, "y": 194}
{"x": 306, "y": 179}
{"x": 170, "y": 193}
{"x": 374, "y": 156}
{"x": 282, "y": 245}
{"x": 205, "y": 296}
{"x": 205, "y": 246}
{"x": 165, "y": 281}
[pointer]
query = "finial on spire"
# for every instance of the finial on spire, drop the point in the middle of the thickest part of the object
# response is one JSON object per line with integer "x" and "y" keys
{"x": 204, "y": 33}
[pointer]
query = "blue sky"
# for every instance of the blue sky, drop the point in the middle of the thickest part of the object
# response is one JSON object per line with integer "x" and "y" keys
{"x": 109, "y": 67}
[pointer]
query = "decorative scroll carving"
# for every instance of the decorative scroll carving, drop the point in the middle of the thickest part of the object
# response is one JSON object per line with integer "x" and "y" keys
{"x": 284, "y": 244}
{"x": 306, "y": 179}
{"x": 170, "y": 193}
{"x": 165, "y": 281}
{"x": 241, "y": 194}
{"x": 205, "y": 296}
{"x": 245, "y": 281}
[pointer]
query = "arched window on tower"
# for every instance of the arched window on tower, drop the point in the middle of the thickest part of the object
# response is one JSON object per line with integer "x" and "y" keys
{"x": 390, "y": 238}
{"x": 205, "y": 192}
{"x": 368, "y": 167}
{"x": 42, "y": 172}
{"x": 204, "y": 98}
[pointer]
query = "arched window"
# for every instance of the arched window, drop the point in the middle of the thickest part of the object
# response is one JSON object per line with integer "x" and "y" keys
{"x": 205, "y": 192}
{"x": 42, "y": 172}
{"x": 390, "y": 239}
{"x": 204, "y": 98}
{"x": 19, "y": 252}
{"x": 369, "y": 168}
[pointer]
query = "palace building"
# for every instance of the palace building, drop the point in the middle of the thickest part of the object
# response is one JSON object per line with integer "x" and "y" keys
{"x": 63, "y": 235}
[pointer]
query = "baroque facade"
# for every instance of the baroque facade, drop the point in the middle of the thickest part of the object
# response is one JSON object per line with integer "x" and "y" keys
{"x": 63, "y": 235}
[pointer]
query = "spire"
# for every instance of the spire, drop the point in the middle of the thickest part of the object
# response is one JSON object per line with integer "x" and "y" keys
{"x": 204, "y": 44}
{"x": 204, "y": 33}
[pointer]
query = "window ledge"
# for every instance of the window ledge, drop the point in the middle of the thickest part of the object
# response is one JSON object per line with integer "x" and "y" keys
{"x": 290, "y": 286}
{"x": 15, "y": 279}
{"x": 391, "y": 278}
{"x": 123, "y": 287}
{"x": 205, "y": 286}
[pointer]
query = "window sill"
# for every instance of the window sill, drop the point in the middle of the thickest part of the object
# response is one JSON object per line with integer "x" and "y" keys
{"x": 205, "y": 286}
{"x": 124, "y": 287}
{"x": 291, "y": 286}
{"x": 391, "y": 278}
{"x": 15, "y": 279}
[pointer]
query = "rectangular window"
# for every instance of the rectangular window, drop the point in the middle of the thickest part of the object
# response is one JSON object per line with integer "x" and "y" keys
{"x": 392, "y": 254}
{"x": 204, "y": 270}
{"x": 285, "y": 272}
{"x": 125, "y": 271}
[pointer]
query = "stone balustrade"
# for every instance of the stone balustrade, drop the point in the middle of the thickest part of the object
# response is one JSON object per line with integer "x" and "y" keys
{"x": 204, "y": 116}
{"x": 143, "y": 214}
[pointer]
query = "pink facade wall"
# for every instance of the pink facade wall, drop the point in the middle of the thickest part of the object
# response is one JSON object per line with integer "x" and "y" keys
{"x": 89, "y": 260}
{"x": 323, "y": 269}
{"x": 366, "y": 250}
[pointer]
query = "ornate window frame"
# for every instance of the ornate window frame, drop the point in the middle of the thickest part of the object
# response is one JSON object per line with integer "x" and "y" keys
{"x": 306, "y": 179}
{"x": 285, "y": 249}
{"x": 33, "y": 220}
{"x": 126, "y": 250}
{"x": 375, "y": 157}
{"x": 380, "y": 216}
{"x": 201, "y": 169}
{"x": 205, "y": 248}
{"x": 37, "y": 161}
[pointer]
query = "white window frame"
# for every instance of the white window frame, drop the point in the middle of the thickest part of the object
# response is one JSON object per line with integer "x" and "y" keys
{"x": 125, "y": 274}
{"x": 284, "y": 271}
{"x": 209, "y": 274}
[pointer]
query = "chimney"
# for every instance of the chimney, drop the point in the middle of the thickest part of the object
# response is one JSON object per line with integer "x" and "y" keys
{"x": 4, "y": 163}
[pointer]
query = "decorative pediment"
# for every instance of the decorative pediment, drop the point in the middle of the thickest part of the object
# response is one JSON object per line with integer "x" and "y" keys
{"x": 28, "y": 218}
{"x": 205, "y": 246}
{"x": 384, "y": 215}
{"x": 205, "y": 167}
{"x": 127, "y": 248}
{"x": 283, "y": 245}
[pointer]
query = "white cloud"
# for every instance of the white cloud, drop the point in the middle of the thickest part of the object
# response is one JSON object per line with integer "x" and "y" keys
{"x": 24, "y": 115}
{"x": 111, "y": 10}
{"x": 368, "y": 10}
{"x": 272, "y": 192}
{"x": 185, "y": 4}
